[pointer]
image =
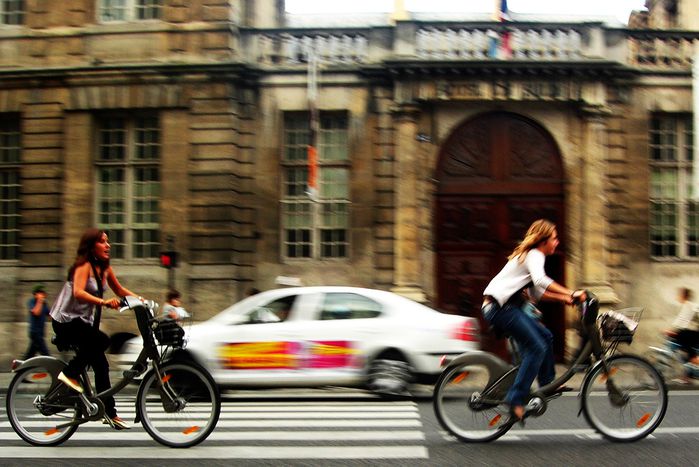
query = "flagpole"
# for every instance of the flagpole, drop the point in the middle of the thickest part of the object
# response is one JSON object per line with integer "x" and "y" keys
{"x": 312, "y": 180}
{"x": 695, "y": 112}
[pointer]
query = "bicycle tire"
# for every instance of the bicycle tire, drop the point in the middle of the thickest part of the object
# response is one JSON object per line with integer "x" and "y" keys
{"x": 636, "y": 410}
{"x": 26, "y": 418}
{"x": 192, "y": 416}
{"x": 457, "y": 388}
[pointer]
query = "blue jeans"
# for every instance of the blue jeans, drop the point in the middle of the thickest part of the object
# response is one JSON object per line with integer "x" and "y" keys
{"x": 535, "y": 344}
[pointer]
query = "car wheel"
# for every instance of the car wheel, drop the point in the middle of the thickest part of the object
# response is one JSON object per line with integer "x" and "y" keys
{"x": 389, "y": 374}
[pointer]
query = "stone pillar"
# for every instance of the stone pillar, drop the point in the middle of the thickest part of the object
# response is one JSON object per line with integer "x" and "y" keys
{"x": 594, "y": 213}
{"x": 407, "y": 245}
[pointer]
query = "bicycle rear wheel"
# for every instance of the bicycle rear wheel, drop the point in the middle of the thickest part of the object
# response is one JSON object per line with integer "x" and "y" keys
{"x": 466, "y": 404}
{"x": 627, "y": 403}
{"x": 181, "y": 407}
{"x": 34, "y": 415}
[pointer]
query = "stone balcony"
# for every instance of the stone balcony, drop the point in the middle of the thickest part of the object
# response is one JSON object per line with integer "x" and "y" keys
{"x": 441, "y": 41}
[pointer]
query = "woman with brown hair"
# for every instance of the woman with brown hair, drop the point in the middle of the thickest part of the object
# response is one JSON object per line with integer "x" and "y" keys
{"x": 77, "y": 322}
{"x": 504, "y": 301}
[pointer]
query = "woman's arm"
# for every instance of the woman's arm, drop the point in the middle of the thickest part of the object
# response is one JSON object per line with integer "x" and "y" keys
{"x": 114, "y": 284}
{"x": 80, "y": 278}
{"x": 553, "y": 290}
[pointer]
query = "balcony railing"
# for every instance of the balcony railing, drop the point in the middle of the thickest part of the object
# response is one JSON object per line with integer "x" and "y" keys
{"x": 476, "y": 43}
{"x": 435, "y": 41}
{"x": 288, "y": 48}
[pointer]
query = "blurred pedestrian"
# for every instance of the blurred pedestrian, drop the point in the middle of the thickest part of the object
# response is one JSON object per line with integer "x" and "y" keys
{"x": 38, "y": 311}
{"x": 173, "y": 306}
{"x": 685, "y": 327}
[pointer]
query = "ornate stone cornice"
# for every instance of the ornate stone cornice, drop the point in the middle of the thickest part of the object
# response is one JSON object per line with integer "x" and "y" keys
{"x": 407, "y": 69}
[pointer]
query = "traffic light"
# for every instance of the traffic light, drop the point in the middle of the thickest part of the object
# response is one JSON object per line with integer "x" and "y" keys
{"x": 168, "y": 259}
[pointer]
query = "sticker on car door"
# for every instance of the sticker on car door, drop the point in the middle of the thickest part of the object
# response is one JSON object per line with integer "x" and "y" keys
{"x": 288, "y": 355}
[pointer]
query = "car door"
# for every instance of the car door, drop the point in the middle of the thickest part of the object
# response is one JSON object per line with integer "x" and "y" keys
{"x": 339, "y": 337}
{"x": 258, "y": 347}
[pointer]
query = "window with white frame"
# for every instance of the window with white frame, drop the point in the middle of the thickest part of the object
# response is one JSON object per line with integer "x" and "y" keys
{"x": 12, "y": 11}
{"x": 128, "y": 184}
{"x": 129, "y": 10}
{"x": 674, "y": 215}
{"x": 310, "y": 229}
{"x": 10, "y": 151}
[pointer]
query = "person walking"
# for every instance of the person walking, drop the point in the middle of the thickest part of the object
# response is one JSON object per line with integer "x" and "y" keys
{"x": 38, "y": 311}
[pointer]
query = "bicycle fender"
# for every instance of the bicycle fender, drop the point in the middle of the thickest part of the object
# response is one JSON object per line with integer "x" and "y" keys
{"x": 496, "y": 365}
{"x": 50, "y": 363}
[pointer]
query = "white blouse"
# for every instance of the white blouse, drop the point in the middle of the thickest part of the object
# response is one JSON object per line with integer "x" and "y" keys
{"x": 516, "y": 275}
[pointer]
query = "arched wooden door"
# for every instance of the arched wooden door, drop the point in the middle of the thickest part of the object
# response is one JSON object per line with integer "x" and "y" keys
{"x": 497, "y": 173}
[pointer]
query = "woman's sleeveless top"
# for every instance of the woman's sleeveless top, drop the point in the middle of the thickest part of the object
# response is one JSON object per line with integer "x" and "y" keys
{"x": 83, "y": 311}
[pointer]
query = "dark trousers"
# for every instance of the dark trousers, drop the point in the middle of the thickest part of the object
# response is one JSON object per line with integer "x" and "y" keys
{"x": 689, "y": 340}
{"x": 91, "y": 345}
{"x": 36, "y": 345}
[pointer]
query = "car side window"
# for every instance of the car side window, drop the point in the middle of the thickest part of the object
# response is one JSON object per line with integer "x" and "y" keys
{"x": 348, "y": 306}
{"x": 275, "y": 311}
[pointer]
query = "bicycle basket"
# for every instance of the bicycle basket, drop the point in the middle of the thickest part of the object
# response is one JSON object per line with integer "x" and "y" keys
{"x": 620, "y": 325}
{"x": 168, "y": 332}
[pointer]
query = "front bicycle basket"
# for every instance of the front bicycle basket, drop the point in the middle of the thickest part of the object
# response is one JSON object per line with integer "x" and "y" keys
{"x": 168, "y": 332}
{"x": 620, "y": 325}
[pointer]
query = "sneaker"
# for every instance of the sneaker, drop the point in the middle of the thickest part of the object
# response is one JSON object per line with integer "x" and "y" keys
{"x": 115, "y": 422}
{"x": 71, "y": 383}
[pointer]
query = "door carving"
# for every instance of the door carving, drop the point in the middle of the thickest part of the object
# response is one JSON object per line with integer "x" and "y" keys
{"x": 497, "y": 173}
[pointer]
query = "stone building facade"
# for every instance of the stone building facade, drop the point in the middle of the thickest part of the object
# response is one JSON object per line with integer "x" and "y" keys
{"x": 183, "y": 125}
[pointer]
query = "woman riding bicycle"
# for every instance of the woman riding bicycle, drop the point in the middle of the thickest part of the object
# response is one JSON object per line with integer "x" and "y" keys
{"x": 504, "y": 301}
{"x": 75, "y": 322}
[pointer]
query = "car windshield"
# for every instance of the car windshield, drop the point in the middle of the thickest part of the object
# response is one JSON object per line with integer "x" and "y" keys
{"x": 258, "y": 309}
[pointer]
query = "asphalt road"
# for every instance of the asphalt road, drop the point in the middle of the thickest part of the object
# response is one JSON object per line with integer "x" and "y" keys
{"x": 349, "y": 427}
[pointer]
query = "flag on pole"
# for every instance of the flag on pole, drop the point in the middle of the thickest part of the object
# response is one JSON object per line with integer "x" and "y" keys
{"x": 500, "y": 44}
{"x": 312, "y": 181}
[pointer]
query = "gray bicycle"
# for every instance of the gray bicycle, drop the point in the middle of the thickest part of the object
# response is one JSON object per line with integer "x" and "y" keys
{"x": 623, "y": 397}
{"x": 177, "y": 403}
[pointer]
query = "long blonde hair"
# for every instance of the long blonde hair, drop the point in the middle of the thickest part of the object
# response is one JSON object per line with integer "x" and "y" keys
{"x": 540, "y": 231}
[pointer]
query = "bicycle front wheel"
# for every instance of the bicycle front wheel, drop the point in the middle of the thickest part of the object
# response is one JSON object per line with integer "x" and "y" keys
{"x": 36, "y": 415}
{"x": 467, "y": 404}
{"x": 626, "y": 403}
{"x": 180, "y": 405}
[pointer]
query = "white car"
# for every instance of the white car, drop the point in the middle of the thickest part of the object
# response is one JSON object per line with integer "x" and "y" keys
{"x": 326, "y": 335}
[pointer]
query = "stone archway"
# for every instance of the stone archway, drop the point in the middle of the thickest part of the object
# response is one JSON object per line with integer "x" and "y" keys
{"x": 497, "y": 173}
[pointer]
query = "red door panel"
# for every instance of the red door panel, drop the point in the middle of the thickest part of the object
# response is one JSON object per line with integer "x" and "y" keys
{"x": 497, "y": 174}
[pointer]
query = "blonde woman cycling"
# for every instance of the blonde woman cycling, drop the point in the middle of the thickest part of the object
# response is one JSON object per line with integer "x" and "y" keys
{"x": 504, "y": 300}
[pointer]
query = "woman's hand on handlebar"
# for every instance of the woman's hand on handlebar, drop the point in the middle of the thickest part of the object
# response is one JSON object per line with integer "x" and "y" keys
{"x": 113, "y": 303}
{"x": 578, "y": 296}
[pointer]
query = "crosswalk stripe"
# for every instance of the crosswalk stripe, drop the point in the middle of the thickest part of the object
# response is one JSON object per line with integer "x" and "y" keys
{"x": 224, "y": 452}
{"x": 281, "y": 423}
{"x": 273, "y": 415}
{"x": 136, "y": 434}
